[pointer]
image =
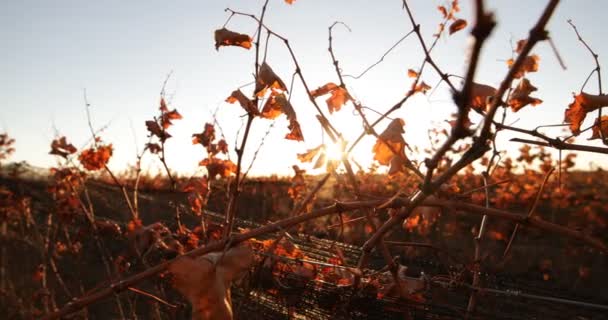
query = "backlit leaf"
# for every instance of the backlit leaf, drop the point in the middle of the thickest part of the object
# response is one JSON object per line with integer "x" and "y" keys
{"x": 600, "y": 130}
{"x": 225, "y": 37}
{"x": 457, "y": 26}
{"x": 583, "y": 104}
{"x": 246, "y": 103}
{"x": 267, "y": 79}
{"x": 520, "y": 97}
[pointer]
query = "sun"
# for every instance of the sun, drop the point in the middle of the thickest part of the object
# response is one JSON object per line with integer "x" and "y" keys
{"x": 333, "y": 151}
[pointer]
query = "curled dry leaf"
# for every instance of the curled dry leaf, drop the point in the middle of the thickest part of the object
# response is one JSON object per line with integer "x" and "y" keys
{"x": 246, "y": 103}
{"x": 390, "y": 142}
{"x": 225, "y": 37}
{"x": 480, "y": 94}
{"x": 278, "y": 104}
{"x": 530, "y": 64}
{"x": 267, "y": 79}
{"x": 339, "y": 96}
{"x": 583, "y": 104}
{"x": 62, "y": 148}
{"x": 600, "y": 129}
{"x": 520, "y": 97}
{"x": 457, "y": 26}
{"x": 206, "y": 281}
{"x": 206, "y": 137}
{"x": 443, "y": 10}
{"x": 412, "y": 73}
{"x": 422, "y": 87}
{"x": 155, "y": 130}
{"x": 216, "y": 166}
{"x": 310, "y": 154}
{"x": 96, "y": 158}
{"x": 167, "y": 116}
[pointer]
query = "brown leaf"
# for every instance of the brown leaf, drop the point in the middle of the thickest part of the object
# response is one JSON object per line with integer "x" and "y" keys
{"x": 225, "y": 37}
{"x": 295, "y": 132}
{"x": 206, "y": 281}
{"x": 339, "y": 96}
{"x": 422, "y": 87}
{"x": 324, "y": 89}
{"x": 166, "y": 118}
{"x": 267, "y": 79}
{"x": 246, "y": 103}
{"x": 600, "y": 130}
{"x": 443, "y": 10}
{"x": 216, "y": 166}
{"x": 389, "y": 143}
{"x": 520, "y": 97}
{"x": 480, "y": 93}
{"x": 96, "y": 158}
{"x": 457, "y": 26}
{"x": 583, "y": 104}
{"x": 530, "y": 64}
{"x": 310, "y": 154}
{"x": 155, "y": 129}
{"x": 62, "y": 148}
{"x": 206, "y": 137}
{"x": 412, "y": 73}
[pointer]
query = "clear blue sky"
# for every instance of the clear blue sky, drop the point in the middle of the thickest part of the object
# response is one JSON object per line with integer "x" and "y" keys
{"x": 121, "y": 51}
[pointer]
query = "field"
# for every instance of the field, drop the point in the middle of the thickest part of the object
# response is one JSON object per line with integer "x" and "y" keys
{"x": 426, "y": 185}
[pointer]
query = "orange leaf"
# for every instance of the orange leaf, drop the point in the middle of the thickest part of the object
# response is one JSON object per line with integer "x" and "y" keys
{"x": 422, "y": 87}
{"x": 600, "y": 130}
{"x": 338, "y": 98}
{"x": 411, "y": 73}
{"x": 324, "y": 89}
{"x": 62, "y": 148}
{"x": 206, "y": 137}
{"x": 206, "y": 281}
{"x": 246, "y": 103}
{"x": 267, "y": 79}
{"x": 443, "y": 10}
{"x": 530, "y": 64}
{"x": 216, "y": 166}
{"x": 95, "y": 158}
{"x": 480, "y": 93}
{"x": 155, "y": 129}
{"x": 225, "y": 37}
{"x": 520, "y": 97}
{"x": 295, "y": 132}
{"x": 290, "y": 1}
{"x": 389, "y": 143}
{"x": 457, "y": 26}
{"x": 583, "y": 104}
{"x": 310, "y": 154}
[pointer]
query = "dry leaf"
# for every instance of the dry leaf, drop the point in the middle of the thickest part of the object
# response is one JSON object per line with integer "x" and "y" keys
{"x": 96, "y": 158}
{"x": 267, "y": 79}
{"x": 390, "y": 142}
{"x": 520, "y": 97}
{"x": 206, "y": 281}
{"x": 480, "y": 93}
{"x": 339, "y": 96}
{"x": 443, "y": 10}
{"x": 600, "y": 130}
{"x": 457, "y": 26}
{"x": 206, "y": 137}
{"x": 225, "y": 37}
{"x": 216, "y": 166}
{"x": 411, "y": 73}
{"x": 246, "y": 103}
{"x": 422, "y": 87}
{"x": 583, "y": 104}
{"x": 530, "y": 64}
{"x": 310, "y": 154}
{"x": 62, "y": 148}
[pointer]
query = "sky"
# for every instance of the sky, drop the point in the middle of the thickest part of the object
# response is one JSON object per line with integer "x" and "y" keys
{"x": 121, "y": 52}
